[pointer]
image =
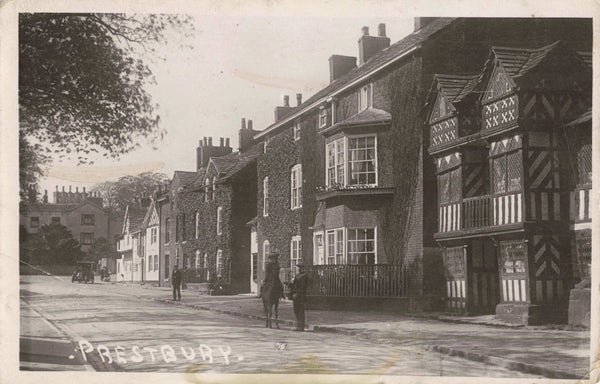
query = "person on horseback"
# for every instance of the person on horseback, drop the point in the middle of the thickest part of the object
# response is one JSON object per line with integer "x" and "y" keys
{"x": 272, "y": 274}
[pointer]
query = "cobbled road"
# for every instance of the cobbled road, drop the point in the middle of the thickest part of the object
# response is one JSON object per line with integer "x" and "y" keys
{"x": 98, "y": 326}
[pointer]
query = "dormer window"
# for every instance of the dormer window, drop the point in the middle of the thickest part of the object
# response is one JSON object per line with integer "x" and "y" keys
{"x": 365, "y": 97}
{"x": 322, "y": 117}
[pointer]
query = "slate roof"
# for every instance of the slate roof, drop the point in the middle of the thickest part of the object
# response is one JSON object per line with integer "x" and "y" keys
{"x": 456, "y": 87}
{"x": 185, "y": 176}
{"x": 51, "y": 207}
{"x": 379, "y": 59}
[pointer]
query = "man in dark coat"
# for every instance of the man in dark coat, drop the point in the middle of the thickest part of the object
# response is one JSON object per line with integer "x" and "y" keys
{"x": 176, "y": 278}
{"x": 298, "y": 290}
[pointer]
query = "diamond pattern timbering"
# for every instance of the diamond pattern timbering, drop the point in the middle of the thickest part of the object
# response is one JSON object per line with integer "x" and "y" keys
{"x": 444, "y": 132}
{"x": 500, "y": 113}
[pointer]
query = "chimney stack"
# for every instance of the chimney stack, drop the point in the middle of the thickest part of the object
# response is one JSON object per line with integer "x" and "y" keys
{"x": 227, "y": 142}
{"x": 298, "y": 99}
{"x": 284, "y": 110}
{"x": 246, "y": 136}
{"x": 221, "y": 141}
{"x": 45, "y": 198}
{"x": 421, "y": 22}
{"x": 368, "y": 45}
{"x": 206, "y": 150}
{"x": 340, "y": 65}
{"x": 244, "y": 123}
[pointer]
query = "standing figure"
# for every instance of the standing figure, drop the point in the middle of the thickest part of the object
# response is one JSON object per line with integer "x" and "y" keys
{"x": 176, "y": 278}
{"x": 298, "y": 291}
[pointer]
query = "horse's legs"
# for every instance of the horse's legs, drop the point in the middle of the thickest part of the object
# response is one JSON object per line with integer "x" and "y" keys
{"x": 270, "y": 315}
{"x": 277, "y": 313}
{"x": 266, "y": 310}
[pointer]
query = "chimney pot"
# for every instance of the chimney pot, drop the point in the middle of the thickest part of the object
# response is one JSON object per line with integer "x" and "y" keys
{"x": 249, "y": 124}
{"x": 365, "y": 31}
{"x": 298, "y": 99}
{"x": 227, "y": 142}
{"x": 382, "y": 30}
{"x": 77, "y": 189}
{"x": 210, "y": 141}
{"x": 286, "y": 101}
{"x": 220, "y": 141}
{"x": 69, "y": 188}
{"x": 243, "y": 123}
{"x": 63, "y": 188}
{"x": 57, "y": 187}
{"x": 205, "y": 141}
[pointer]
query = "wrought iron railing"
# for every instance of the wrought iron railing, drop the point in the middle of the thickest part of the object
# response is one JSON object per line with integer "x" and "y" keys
{"x": 377, "y": 280}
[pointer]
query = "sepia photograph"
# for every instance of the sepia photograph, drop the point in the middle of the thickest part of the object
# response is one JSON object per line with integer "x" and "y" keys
{"x": 270, "y": 191}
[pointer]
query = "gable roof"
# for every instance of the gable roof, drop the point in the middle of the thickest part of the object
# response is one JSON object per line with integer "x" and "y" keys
{"x": 133, "y": 220}
{"x": 149, "y": 212}
{"x": 377, "y": 62}
{"x": 185, "y": 176}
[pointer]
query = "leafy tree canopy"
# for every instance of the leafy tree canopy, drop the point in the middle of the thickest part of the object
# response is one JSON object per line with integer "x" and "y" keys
{"x": 129, "y": 190}
{"x": 101, "y": 248}
{"x": 82, "y": 82}
{"x": 53, "y": 244}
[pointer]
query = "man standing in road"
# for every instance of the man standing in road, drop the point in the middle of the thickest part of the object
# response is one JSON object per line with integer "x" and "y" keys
{"x": 176, "y": 283}
{"x": 298, "y": 291}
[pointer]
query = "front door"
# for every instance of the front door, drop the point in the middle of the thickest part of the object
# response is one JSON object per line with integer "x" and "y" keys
{"x": 484, "y": 284}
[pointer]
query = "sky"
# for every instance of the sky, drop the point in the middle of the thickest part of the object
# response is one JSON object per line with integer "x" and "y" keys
{"x": 240, "y": 66}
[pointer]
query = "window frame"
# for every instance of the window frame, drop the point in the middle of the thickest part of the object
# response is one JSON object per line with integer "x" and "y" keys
{"x": 365, "y": 97}
{"x": 197, "y": 224}
{"x": 167, "y": 234}
{"x": 296, "y": 192}
{"x": 347, "y": 245}
{"x": 345, "y": 167}
{"x": 55, "y": 220}
{"x": 85, "y": 219}
{"x": 318, "y": 259}
{"x": 504, "y": 158}
{"x": 266, "y": 245}
{"x": 219, "y": 263}
{"x": 82, "y": 235}
{"x": 214, "y": 187}
{"x": 297, "y": 131}
{"x": 266, "y": 196}
{"x": 339, "y": 255}
{"x": 219, "y": 220}
{"x": 206, "y": 189}
{"x": 37, "y": 222}
{"x": 322, "y": 117}
{"x": 295, "y": 253}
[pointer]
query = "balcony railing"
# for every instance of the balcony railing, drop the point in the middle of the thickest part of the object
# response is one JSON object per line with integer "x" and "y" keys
{"x": 477, "y": 212}
{"x": 378, "y": 280}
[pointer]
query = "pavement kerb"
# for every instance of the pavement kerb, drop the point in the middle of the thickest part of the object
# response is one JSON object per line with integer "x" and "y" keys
{"x": 505, "y": 363}
{"x": 477, "y": 357}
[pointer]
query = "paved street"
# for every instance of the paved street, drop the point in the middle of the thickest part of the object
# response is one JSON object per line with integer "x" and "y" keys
{"x": 111, "y": 323}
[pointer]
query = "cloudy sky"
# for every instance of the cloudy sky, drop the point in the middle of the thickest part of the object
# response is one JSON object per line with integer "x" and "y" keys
{"x": 240, "y": 66}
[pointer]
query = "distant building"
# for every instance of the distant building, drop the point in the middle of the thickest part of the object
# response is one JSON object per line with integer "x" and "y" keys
{"x": 81, "y": 212}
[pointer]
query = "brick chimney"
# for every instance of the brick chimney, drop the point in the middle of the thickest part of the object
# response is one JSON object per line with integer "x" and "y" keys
{"x": 246, "y": 135}
{"x": 421, "y": 22}
{"x": 206, "y": 150}
{"x": 369, "y": 45}
{"x": 339, "y": 65}
{"x": 298, "y": 99}
{"x": 284, "y": 110}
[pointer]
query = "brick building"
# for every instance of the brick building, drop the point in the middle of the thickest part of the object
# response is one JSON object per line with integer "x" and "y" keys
{"x": 345, "y": 175}
{"x": 81, "y": 212}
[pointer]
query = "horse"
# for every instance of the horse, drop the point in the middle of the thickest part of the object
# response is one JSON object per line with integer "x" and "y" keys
{"x": 271, "y": 292}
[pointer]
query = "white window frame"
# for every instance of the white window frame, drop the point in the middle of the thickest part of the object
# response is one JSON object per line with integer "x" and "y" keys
{"x": 338, "y": 236}
{"x": 297, "y": 130}
{"x": 219, "y": 220}
{"x": 318, "y": 259}
{"x": 365, "y": 97}
{"x": 322, "y": 117}
{"x": 266, "y": 196}
{"x": 219, "y": 263}
{"x": 296, "y": 187}
{"x": 265, "y": 255}
{"x": 214, "y": 187}
{"x": 347, "y": 256}
{"x": 153, "y": 235}
{"x": 344, "y": 165}
{"x": 197, "y": 224}
{"x": 295, "y": 253}
{"x": 206, "y": 182}
{"x": 197, "y": 260}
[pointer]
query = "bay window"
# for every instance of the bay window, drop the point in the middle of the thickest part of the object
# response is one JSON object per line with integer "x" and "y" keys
{"x": 345, "y": 246}
{"x": 352, "y": 161}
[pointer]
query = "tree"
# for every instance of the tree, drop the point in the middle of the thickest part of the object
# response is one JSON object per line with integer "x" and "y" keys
{"x": 101, "y": 248}
{"x": 129, "y": 190}
{"x": 53, "y": 244}
{"x": 82, "y": 83}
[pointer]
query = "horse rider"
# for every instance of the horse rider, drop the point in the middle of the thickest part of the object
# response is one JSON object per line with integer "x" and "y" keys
{"x": 298, "y": 290}
{"x": 272, "y": 273}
